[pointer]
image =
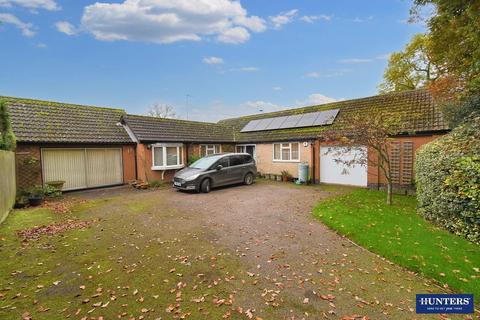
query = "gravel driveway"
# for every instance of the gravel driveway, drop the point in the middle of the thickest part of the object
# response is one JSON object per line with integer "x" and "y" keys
{"x": 270, "y": 226}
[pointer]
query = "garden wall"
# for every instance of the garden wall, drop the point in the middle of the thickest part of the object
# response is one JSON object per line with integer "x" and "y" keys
{"x": 7, "y": 183}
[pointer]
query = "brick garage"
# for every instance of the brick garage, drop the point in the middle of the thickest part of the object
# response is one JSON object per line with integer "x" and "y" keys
{"x": 71, "y": 129}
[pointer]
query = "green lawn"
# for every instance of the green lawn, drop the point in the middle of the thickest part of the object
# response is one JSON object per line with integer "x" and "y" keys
{"x": 398, "y": 233}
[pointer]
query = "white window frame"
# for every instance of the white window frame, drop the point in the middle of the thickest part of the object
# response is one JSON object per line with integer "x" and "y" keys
{"x": 248, "y": 145}
{"x": 210, "y": 146}
{"x": 284, "y": 148}
{"x": 180, "y": 151}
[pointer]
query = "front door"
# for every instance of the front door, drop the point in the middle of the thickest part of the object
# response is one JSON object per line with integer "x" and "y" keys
{"x": 247, "y": 148}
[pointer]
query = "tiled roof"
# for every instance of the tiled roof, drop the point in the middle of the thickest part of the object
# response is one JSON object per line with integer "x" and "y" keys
{"x": 419, "y": 113}
{"x": 53, "y": 122}
{"x": 151, "y": 129}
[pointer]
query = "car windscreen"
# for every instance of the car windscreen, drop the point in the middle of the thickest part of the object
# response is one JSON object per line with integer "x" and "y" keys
{"x": 204, "y": 163}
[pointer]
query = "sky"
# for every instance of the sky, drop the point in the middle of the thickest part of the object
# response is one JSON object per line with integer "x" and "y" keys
{"x": 208, "y": 59}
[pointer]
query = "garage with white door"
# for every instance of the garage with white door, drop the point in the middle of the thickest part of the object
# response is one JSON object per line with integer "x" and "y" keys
{"x": 83, "y": 168}
{"x": 335, "y": 172}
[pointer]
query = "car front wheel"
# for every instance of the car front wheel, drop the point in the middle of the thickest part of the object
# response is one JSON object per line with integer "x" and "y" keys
{"x": 248, "y": 180}
{"x": 205, "y": 187}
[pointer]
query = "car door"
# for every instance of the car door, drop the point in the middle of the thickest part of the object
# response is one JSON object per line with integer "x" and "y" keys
{"x": 220, "y": 177}
{"x": 237, "y": 168}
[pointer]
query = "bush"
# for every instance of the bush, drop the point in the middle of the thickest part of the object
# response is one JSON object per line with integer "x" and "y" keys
{"x": 448, "y": 181}
{"x": 36, "y": 191}
{"x": 457, "y": 113}
{"x": 156, "y": 183}
{"x": 7, "y": 138}
{"x": 192, "y": 159}
{"x": 51, "y": 191}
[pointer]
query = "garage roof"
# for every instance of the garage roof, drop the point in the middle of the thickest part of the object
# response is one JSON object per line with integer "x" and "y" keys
{"x": 54, "y": 122}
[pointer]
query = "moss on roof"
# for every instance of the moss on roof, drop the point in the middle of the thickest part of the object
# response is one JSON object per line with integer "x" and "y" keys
{"x": 417, "y": 108}
{"x": 147, "y": 128}
{"x": 57, "y": 122}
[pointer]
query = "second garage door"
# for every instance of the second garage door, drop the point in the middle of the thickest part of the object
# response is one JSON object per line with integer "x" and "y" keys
{"x": 337, "y": 173}
{"x": 83, "y": 168}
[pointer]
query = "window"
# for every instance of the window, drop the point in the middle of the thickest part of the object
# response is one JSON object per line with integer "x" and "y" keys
{"x": 209, "y": 149}
{"x": 246, "y": 148}
{"x": 205, "y": 163}
{"x": 236, "y": 160}
{"x": 286, "y": 151}
{"x": 222, "y": 162}
{"x": 167, "y": 156}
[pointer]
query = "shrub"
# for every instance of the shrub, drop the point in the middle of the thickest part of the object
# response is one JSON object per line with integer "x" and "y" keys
{"x": 51, "y": 191}
{"x": 192, "y": 158}
{"x": 36, "y": 191}
{"x": 156, "y": 183}
{"x": 448, "y": 181}
{"x": 7, "y": 138}
{"x": 459, "y": 112}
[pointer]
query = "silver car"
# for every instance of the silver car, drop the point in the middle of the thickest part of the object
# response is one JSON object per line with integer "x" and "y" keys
{"x": 215, "y": 171}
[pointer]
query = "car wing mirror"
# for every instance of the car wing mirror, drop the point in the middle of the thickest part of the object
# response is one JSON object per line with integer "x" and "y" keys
{"x": 219, "y": 167}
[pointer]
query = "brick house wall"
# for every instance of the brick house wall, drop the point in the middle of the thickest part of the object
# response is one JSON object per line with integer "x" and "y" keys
{"x": 403, "y": 158}
{"x": 194, "y": 148}
{"x": 266, "y": 164}
{"x": 406, "y": 148}
{"x": 144, "y": 165}
{"x": 144, "y": 160}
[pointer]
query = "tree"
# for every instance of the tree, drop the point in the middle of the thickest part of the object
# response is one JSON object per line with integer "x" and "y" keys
{"x": 7, "y": 137}
{"x": 162, "y": 111}
{"x": 454, "y": 42}
{"x": 376, "y": 131}
{"x": 462, "y": 111}
{"x": 411, "y": 68}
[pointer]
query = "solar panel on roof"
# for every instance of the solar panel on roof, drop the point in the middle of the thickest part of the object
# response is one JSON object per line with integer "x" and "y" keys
{"x": 291, "y": 121}
{"x": 326, "y": 117}
{"x": 276, "y": 123}
{"x": 250, "y": 126}
{"x": 263, "y": 124}
{"x": 310, "y": 119}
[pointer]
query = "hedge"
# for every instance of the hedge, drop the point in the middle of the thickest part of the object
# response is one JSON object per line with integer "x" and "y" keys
{"x": 448, "y": 181}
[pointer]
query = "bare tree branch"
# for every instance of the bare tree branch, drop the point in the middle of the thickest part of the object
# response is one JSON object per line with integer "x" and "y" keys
{"x": 162, "y": 111}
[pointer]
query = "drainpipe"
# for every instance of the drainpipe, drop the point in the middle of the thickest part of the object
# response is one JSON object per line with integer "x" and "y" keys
{"x": 136, "y": 161}
{"x": 312, "y": 146}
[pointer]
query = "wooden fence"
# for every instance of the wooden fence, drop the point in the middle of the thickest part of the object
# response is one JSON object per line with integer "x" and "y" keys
{"x": 7, "y": 183}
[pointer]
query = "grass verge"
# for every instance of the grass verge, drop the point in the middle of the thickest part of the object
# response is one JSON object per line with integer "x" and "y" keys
{"x": 399, "y": 234}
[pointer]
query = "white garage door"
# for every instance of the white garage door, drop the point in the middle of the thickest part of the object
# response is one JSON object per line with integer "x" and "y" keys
{"x": 337, "y": 173}
{"x": 83, "y": 168}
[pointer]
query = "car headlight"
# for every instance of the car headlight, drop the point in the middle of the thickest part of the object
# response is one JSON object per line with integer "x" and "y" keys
{"x": 195, "y": 176}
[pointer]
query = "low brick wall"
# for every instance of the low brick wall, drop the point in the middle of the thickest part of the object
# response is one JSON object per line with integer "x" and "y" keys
{"x": 7, "y": 183}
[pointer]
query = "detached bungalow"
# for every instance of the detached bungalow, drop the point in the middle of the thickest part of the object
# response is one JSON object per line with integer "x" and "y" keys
{"x": 92, "y": 147}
